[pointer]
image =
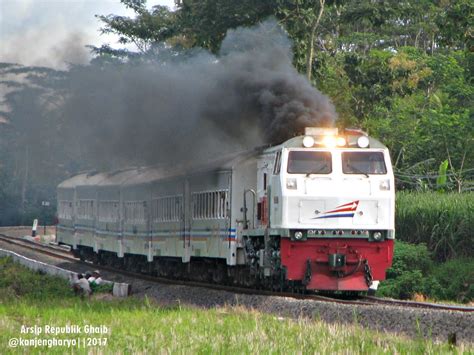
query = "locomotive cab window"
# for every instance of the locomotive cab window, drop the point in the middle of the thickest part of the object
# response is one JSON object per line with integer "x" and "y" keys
{"x": 309, "y": 162}
{"x": 363, "y": 163}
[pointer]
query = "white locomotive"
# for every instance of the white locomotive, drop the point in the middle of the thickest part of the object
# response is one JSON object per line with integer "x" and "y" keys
{"x": 315, "y": 212}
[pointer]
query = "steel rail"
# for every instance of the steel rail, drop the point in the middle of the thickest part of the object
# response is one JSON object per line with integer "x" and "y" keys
{"x": 61, "y": 253}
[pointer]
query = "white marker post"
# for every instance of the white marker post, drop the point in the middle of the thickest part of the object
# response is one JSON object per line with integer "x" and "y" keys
{"x": 33, "y": 230}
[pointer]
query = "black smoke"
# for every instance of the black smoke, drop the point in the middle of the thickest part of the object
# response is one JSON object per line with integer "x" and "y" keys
{"x": 171, "y": 106}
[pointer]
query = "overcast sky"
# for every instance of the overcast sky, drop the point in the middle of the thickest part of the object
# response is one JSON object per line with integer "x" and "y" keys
{"x": 54, "y": 32}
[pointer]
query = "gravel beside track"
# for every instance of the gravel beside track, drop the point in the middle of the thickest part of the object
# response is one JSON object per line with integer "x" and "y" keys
{"x": 413, "y": 322}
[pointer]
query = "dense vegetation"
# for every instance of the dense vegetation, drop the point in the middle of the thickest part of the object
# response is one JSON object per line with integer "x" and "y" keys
{"x": 146, "y": 327}
{"x": 443, "y": 222}
{"x": 434, "y": 253}
{"x": 415, "y": 273}
{"x": 400, "y": 70}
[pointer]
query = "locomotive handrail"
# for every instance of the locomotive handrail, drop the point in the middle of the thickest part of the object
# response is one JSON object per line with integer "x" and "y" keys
{"x": 246, "y": 224}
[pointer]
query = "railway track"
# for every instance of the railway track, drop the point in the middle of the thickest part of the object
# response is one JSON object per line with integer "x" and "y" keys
{"x": 65, "y": 254}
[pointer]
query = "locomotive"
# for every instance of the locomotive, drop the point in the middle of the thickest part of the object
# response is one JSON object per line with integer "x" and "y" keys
{"x": 313, "y": 213}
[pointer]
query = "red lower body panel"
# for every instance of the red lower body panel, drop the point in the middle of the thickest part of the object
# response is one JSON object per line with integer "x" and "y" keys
{"x": 299, "y": 256}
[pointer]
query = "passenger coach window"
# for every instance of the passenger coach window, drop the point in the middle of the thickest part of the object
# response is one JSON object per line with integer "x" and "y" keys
{"x": 306, "y": 162}
{"x": 363, "y": 163}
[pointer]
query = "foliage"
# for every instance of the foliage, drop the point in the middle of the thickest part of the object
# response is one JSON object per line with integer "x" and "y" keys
{"x": 408, "y": 274}
{"x": 147, "y": 27}
{"x": 442, "y": 221}
{"x": 400, "y": 70}
{"x": 456, "y": 278}
{"x": 441, "y": 180}
{"x": 205, "y": 23}
{"x": 414, "y": 272}
{"x": 102, "y": 288}
{"x": 409, "y": 257}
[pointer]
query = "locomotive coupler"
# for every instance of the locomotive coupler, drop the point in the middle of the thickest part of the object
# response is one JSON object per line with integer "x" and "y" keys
{"x": 336, "y": 260}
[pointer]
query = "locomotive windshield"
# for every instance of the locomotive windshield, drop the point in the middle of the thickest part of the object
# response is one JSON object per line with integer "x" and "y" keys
{"x": 305, "y": 162}
{"x": 363, "y": 163}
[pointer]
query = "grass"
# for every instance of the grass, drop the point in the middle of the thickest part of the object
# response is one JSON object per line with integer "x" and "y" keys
{"x": 443, "y": 221}
{"x": 142, "y": 326}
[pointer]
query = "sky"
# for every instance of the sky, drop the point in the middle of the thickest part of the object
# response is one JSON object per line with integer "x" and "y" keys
{"x": 53, "y": 33}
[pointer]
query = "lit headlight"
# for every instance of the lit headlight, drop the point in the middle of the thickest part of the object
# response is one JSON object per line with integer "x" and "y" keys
{"x": 291, "y": 184}
{"x": 377, "y": 236}
{"x": 308, "y": 141}
{"x": 384, "y": 185}
{"x": 363, "y": 141}
{"x": 341, "y": 141}
{"x": 330, "y": 141}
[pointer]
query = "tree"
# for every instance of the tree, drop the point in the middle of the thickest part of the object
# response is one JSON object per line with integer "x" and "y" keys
{"x": 205, "y": 23}
{"x": 146, "y": 28}
{"x": 34, "y": 152}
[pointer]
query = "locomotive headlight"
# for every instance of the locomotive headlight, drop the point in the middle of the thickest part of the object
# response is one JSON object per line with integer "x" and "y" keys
{"x": 330, "y": 141}
{"x": 377, "y": 236}
{"x": 341, "y": 141}
{"x": 363, "y": 141}
{"x": 384, "y": 185}
{"x": 298, "y": 235}
{"x": 291, "y": 184}
{"x": 308, "y": 141}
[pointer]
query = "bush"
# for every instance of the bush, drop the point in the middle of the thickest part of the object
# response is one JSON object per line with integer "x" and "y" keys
{"x": 407, "y": 276}
{"x": 456, "y": 278}
{"x": 404, "y": 286}
{"x": 413, "y": 272}
{"x": 409, "y": 257}
{"x": 443, "y": 221}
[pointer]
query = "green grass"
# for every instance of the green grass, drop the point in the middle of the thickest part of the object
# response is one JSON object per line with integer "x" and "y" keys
{"x": 144, "y": 326}
{"x": 443, "y": 221}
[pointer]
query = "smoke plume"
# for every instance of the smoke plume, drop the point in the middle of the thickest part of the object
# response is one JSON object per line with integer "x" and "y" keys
{"x": 173, "y": 107}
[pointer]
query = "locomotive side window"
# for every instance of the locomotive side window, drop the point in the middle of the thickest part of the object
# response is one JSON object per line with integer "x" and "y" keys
{"x": 363, "y": 163}
{"x": 307, "y": 162}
